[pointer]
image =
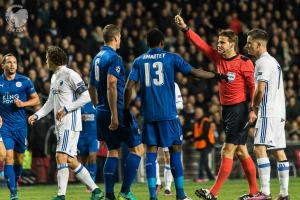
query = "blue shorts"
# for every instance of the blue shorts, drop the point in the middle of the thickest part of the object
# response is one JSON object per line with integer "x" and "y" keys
{"x": 162, "y": 133}
{"x": 87, "y": 142}
{"x": 113, "y": 139}
{"x": 14, "y": 139}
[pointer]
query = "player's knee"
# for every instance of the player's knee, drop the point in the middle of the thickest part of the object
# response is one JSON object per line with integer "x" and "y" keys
{"x": 92, "y": 158}
{"x": 241, "y": 153}
{"x": 9, "y": 159}
{"x": 175, "y": 148}
{"x": 260, "y": 151}
{"x": 2, "y": 155}
{"x": 61, "y": 158}
{"x": 152, "y": 149}
{"x": 114, "y": 153}
{"x": 19, "y": 160}
{"x": 279, "y": 155}
{"x": 227, "y": 152}
{"x": 138, "y": 150}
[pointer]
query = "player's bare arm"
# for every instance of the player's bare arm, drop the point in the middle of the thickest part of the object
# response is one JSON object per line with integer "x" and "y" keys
{"x": 258, "y": 95}
{"x": 112, "y": 96}
{"x": 130, "y": 84}
{"x": 93, "y": 94}
{"x": 33, "y": 101}
{"x": 200, "y": 73}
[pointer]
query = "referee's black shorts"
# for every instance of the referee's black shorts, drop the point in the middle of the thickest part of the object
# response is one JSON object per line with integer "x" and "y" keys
{"x": 235, "y": 118}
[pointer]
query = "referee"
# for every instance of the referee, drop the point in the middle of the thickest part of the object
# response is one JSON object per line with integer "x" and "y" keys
{"x": 235, "y": 112}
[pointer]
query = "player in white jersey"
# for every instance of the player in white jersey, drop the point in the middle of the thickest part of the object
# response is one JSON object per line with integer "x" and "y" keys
{"x": 68, "y": 94}
{"x": 269, "y": 105}
{"x": 168, "y": 178}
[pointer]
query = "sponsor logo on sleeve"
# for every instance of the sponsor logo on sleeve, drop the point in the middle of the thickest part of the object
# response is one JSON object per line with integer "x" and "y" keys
{"x": 118, "y": 69}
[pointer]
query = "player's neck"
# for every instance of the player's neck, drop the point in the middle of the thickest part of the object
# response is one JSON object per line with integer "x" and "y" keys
{"x": 259, "y": 53}
{"x": 112, "y": 45}
{"x": 230, "y": 54}
{"x": 10, "y": 76}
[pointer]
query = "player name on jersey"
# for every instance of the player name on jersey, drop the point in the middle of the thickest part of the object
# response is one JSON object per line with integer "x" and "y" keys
{"x": 154, "y": 56}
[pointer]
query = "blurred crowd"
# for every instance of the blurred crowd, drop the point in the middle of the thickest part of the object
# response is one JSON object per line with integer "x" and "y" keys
{"x": 76, "y": 26}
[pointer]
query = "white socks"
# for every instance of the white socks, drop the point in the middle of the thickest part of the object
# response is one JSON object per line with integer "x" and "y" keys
{"x": 158, "y": 181}
{"x": 283, "y": 176}
{"x": 62, "y": 178}
{"x": 84, "y": 176}
{"x": 168, "y": 177}
{"x": 264, "y": 170}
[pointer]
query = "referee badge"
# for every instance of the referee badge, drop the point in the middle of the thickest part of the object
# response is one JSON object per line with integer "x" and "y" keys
{"x": 231, "y": 76}
{"x": 18, "y": 84}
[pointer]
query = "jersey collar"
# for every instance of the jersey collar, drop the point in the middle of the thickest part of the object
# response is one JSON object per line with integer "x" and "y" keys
{"x": 4, "y": 77}
{"x": 155, "y": 50}
{"x": 59, "y": 68}
{"x": 264, "y": 54}
{"x": 106, "y": 47}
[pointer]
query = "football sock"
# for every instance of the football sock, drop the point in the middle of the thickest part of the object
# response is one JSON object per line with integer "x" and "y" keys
{"x": 131, "y": 166}
{"x": 250, "y": 172}
{"x": 168, "y": 177}
{"x": 158, "y": 180}
{"x": 151, "y": 173}
{"x": 62, "y": 178}
{"x": 177, "y": 171}
{"x": 10, "y": 178}
{"x": 224, "y": 172}
{"x": 283, "y": 168}
{"x": 109, "y": 172}
{"x": 84, "y": 176}
{"x": 264, "y": 170}
{"x": 18, "y": 172}
{"x": 92, "y": 167}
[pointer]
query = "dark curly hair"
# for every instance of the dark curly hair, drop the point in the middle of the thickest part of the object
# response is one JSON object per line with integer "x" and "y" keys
{"x": 57, "y": 56}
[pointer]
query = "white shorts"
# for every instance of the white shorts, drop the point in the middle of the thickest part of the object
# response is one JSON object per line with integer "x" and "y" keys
{"x": 269, "y": 131}
{"x": 67, "y": 141}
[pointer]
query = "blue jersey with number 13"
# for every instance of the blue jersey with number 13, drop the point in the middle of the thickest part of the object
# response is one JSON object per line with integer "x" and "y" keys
{"x": 156, "y": 72}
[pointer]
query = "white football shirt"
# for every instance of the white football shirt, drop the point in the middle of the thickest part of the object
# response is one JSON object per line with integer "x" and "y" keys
{"x": 178, "y": 98}
{"x": 267, "y": 69}
{"x": 67, "y": 91}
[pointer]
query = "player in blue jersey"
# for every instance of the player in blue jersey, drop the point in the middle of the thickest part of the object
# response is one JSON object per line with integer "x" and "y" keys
{"x": 16, "y": 93}
{"x": 88, "y": 143}
{"x": 155, "y": 70}
{"x": 107, "y": 79}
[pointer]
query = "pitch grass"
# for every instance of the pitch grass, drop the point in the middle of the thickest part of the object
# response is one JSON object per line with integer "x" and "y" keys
{"x": 230, "y": 191}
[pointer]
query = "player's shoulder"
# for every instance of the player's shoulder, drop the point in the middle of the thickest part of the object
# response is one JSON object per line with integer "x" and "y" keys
{"x": 68, "y": 72}
{"x": 266, "y": 60}
{"x": 244, "y": 58}
{"x": 22, "y": 78}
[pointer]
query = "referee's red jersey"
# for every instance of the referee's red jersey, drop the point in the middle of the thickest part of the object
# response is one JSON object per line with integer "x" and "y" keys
{"x": 240, "y": 71}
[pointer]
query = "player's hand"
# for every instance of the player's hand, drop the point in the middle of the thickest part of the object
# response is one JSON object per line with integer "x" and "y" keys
{"x": 180, "y": 22}
{"x": 114, "y": 123}
{"x": 32, "y": 119}
{"x": 60, "y": 114}
{"x": 19, "y": 103}
{"x": 127, "y": 119}
{"x": 252, "y": 117}
{"x": 0, "y": 121}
